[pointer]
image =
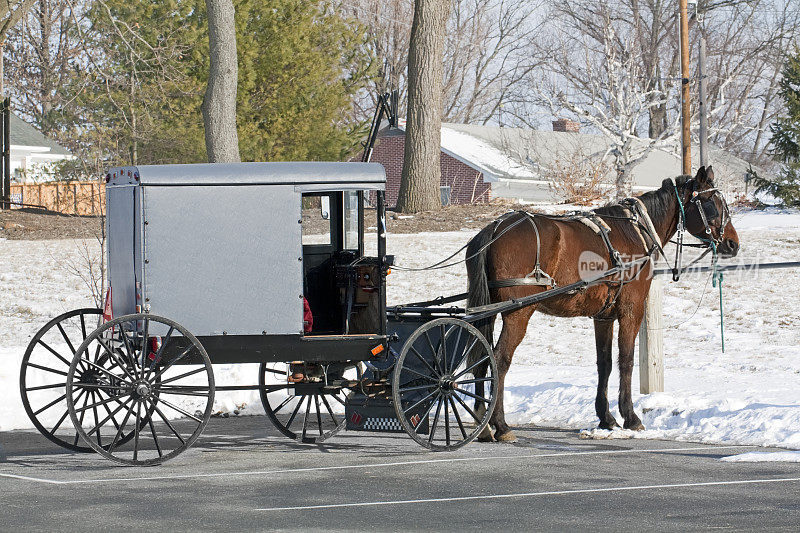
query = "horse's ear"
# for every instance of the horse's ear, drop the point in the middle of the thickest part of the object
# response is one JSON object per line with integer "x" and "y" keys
{"x": 710, "y": 173}
{"x": 680, "y": 181}
{"x": 701, "y": 176}
{"x": 667, "y": 183}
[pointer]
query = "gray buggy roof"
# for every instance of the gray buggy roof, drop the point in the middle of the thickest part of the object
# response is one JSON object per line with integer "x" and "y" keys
{"x": 289, "y": 173}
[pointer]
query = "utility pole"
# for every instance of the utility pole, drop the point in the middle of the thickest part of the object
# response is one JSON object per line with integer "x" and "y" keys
{"x": 686, "y": 136}
{"x": 703, "y": 102}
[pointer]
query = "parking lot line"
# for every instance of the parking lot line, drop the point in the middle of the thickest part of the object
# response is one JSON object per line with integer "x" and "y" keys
{"x": 363, "y": 465}
{"x": 533, "y": 494}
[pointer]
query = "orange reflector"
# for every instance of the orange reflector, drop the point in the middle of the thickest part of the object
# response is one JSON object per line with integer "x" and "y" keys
{"x": 376, "y": 350}
{"x": 388, "y": 271}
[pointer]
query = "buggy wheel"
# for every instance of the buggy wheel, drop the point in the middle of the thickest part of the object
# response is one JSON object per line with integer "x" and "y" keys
{"x": 43, "y": 376}
{"x": 444, "y": 384}
{"x": 151, "y": 378}
{"x": 305, "y": 410}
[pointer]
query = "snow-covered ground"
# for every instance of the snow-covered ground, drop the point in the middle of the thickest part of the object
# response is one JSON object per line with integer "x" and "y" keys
{"x": 748, "y": 395}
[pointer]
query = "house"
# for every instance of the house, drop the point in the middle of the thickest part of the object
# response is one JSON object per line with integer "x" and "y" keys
{"x": 483, "y": 162}
{"x": 32, "y": 152}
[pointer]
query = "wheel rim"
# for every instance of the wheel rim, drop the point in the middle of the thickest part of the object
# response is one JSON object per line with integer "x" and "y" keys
{"x": 43, "y": 376}
{"x": 139, "y": 388}
{"x": 444, "y": 384}
{"x": 305, "y": 411}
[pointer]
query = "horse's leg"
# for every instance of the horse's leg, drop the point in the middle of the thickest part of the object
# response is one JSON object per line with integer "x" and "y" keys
{"x": 514, "y": 326}
{"x": 604, "y": 339}
{"x": 629, "y": 321}
{"x": 480, "y": 406}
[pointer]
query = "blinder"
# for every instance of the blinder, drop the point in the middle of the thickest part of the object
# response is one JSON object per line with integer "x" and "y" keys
{"x": 700, "y": 213}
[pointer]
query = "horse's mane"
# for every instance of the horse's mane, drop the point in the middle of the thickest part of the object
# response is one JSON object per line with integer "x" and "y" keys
{"x": 659, "y": 203}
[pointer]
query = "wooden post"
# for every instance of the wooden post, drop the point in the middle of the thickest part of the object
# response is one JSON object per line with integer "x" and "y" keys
{"x": 651, "y": 342}
{"x": 686, "y": 138}
{"x": 702, "y": 103}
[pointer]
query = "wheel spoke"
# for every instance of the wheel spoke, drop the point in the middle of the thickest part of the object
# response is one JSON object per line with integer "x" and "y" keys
{"x": 420, "y": 387}
{"x": 66, "y": 338}
{"x": 185, "y": 374}
{"x": 136, "y": 430}
{"x": 452, "y": 368}
{"x": 458, "y": 417}
{"x": 466, "y": 407}
{"x": 305, "y": 416}
{"x": 462, "y": 391}
{"x": 409, "y": 369}
{"x": 419, "y": 402}
{"x": 296, "y": 410}
{"x": 434, "y": 352}
{"x": 83, "y": 327}
{"x": 175, "y": 391}
{"x": 153, "y": 432}
{"x": 121, "y": 428}
{"x": 169, "y": 365}
{"x": 319, "y": 414}
{"x": 283, "y": 404}
{"x": 443, "y": 350}
{"x": 330, "y": 411}
{"x": 110, "y": 399}
{"x": 181, "y": 411}
{"x": 105, "y": 406}
{"x": 115, "y": 411}
{"x": 435, "y": 418}
{"x": 41, "y": 387}
{"x": 46, "y": 369}
{"x": 446, "y": 423}
{"x": 485, "y": 358}
{"x": 275, "y": 371}
{"x": 465, "y": 354}
{"x": 130, "y": 353}
{"x": 99, "y": 386}
{"x": 160, "y": 353}
{"x": 116, "y": 361}
{"x": 80, "y": 419}
{"x": 476, "y": 380}
{"x": 167, "y": 422}
{"x": 51, "y": 404}
{"x": 65, "y": 415}
{"x": 52, "y": 351}
{"x": 414, "y": 350}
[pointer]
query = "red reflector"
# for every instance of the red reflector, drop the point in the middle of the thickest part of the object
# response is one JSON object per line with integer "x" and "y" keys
{"x": 108, "y": 312}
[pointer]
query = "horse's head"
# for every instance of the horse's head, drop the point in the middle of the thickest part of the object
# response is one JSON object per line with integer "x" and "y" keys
{"x": 707, "y": 214}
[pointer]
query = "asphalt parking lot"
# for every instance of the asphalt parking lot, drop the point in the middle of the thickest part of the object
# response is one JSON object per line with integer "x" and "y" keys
{"x": 242, "y": 475}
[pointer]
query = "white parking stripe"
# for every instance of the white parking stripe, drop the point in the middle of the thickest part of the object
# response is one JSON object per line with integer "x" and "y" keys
{"x": 533, "y": 494}
{"x": 372, "y": 465}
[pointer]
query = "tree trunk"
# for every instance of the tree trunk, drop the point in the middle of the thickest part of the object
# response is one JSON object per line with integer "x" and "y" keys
{"x": 419, "y": 187}
{"x": 219, "y": 104}
{"x": 623, "y": 183}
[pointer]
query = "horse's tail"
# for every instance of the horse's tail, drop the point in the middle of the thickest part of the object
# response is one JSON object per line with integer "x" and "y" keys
{"x": 478, "y": 279}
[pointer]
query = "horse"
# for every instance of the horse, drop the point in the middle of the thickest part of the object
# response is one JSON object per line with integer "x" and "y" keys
{"x": 553, "y": 251}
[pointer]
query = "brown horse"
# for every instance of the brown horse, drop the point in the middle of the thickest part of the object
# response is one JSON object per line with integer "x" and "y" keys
{"x": 507, "y": 249}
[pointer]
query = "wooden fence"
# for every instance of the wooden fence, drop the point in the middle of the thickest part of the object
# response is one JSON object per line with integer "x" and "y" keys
{"x": 68, "y": 197}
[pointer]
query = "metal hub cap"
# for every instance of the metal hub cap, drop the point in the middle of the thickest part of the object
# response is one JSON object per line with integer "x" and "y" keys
{"x": 447, "y": 385}
{"x": 142, "y": 389}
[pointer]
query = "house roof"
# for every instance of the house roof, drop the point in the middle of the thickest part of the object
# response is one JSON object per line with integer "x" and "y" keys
{"x": 518, "y": 154}
{"x": 23, "y": 134}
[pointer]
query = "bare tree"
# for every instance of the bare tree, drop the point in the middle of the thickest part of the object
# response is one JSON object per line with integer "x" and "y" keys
{"x": 419, "y": 186}
{"x": 219, "y": 104}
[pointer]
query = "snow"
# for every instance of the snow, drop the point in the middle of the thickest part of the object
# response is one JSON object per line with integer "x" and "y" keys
{"x": 748, "y": 395}
{"x": 763, "y": 457}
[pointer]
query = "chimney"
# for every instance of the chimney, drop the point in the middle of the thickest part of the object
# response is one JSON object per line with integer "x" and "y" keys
{"x": 564, "y": 124}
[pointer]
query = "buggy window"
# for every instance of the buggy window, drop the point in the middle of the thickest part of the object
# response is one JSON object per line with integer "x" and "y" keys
{"x": 351, "y": 220}
{"x": 317, "y": 219}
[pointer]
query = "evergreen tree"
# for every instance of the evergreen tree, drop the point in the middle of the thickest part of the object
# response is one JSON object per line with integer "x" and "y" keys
{"x": 786, "y": 139}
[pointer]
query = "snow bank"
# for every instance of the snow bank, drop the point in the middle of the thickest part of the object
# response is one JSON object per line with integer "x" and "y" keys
{"x": 763, "y": 457}
{"x": 748, "y": 395}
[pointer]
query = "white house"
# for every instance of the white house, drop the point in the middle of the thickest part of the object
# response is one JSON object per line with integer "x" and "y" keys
{"x": 32, "y": 152}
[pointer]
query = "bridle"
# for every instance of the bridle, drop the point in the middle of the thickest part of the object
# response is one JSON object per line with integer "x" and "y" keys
{"x": 700, "y": 210}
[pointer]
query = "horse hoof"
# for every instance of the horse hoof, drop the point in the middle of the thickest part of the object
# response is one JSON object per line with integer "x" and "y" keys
{"x": 634, "y": 426}
{"x": 608, "y": 424}
{"x": 508, "y": 436}
{"x": 485, "y": 438}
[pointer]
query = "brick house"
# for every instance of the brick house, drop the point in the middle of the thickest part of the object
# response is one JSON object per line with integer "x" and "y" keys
{"x": 463, "y": 181}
